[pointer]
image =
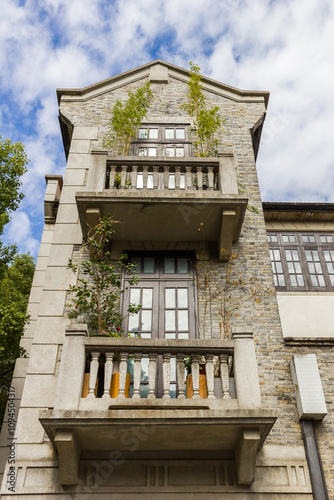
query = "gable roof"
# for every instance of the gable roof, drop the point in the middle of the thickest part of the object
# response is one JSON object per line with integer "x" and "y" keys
{"x": 174, "y": 71}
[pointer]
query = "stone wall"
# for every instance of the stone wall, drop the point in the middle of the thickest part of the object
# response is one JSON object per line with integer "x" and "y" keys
{"x": 252, "y": 250}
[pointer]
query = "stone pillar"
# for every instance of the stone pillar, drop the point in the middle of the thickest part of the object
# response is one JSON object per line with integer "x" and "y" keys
{"x": 97, "y": 172}
{"x": 227, "y": 177}
{"x": 72, "y": 368}
{"x": 245, "y": 370}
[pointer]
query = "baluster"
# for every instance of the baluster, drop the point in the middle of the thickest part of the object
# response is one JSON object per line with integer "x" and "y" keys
{"x": 151, "y": 374}
{"x": 145, "y": 172}
{"x": 166, "y": 177}
{"x": 195, "y": 374}
{"x": 155, "y": 177}
{"x": 183, "y": 180}
{"x": 108, "y": 374}
{"x": 122, "y": 374}
{"x": 210, "y": 380}
{"x": 136, "y": 375}
{"x": 199, "y": 178}
{"x": 94, "y": 366}
{"x": 177, "y": 177}
{"x": 123, "y": 176}
{"x": 211, "y": 178}
{"x": 112, "y": 177}
{"x": 180, "y": 370}
{"x": 225, "y": 376}
{"x": 166, "y": 374}
{"x": 189, "y": 178}
{"x": 134, "y": 177}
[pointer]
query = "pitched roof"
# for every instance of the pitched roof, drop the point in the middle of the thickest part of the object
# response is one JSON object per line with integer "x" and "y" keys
{"x": 175, "y": 71}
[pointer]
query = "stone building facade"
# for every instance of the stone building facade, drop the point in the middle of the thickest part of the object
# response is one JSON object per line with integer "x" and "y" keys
{"x": 185, "y": 219}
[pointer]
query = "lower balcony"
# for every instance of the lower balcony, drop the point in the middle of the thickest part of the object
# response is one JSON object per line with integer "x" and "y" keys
{"x": 150, "y": 410}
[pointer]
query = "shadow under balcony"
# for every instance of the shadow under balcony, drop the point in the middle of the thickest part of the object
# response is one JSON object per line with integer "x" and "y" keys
{"x": 165, "y": 200}
{"x": 231, "y": 425}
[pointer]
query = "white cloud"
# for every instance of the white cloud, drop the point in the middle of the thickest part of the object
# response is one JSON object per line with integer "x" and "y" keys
{"x": 283, "y": 46}
{"x": 20, "y": 232}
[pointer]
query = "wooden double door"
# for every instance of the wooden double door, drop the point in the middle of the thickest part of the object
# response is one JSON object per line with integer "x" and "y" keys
{"x": 166, "y": 292}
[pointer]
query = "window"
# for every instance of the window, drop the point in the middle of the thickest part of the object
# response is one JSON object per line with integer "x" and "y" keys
{"x": 166, "y": 291}
{"x": 163, "y": 140}
{"x": 302, "y": 261}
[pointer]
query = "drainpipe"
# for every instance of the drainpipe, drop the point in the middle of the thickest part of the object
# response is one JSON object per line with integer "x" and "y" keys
{"x": 311, "y": 406}
{"x": 313, "y": 456}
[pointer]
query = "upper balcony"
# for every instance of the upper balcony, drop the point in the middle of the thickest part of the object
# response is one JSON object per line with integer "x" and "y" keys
{"x": 96, "y": 411}
{"x": 165, "y": 199}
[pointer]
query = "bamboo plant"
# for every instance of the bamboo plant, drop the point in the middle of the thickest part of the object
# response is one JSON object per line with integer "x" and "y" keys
{"x": 126, "y": 118}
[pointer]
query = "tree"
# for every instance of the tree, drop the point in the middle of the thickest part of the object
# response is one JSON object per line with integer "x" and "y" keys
{"x": 206, "y": 122}
{"x": 126, "y": 119}
{"x": 16, "y": 271}
{"x": 14, "y": 294}
{"x": 13, "y": 161}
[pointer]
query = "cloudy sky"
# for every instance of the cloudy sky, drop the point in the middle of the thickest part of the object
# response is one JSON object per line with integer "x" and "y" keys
{"x": 284, "y": 46}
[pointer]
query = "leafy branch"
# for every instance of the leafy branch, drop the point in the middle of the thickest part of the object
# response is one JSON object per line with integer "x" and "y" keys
{"x": 99, "y": 283}
{"x": 126, "y": 118}
{"x": 206, "y": 122}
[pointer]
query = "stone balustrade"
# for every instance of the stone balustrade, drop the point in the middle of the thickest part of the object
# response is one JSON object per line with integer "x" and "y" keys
{"x": 160, "y": 358}
{"x": 96, "y": 356}
{"x": 162, "y": 175}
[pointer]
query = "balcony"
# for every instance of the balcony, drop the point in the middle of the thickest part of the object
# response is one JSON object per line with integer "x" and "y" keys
{"x": 165, "y": 199}
{"x": 165, "y": 421}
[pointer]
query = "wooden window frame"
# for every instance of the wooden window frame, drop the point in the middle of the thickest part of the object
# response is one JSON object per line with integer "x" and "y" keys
{"x": 301, "y": 246}
{"x": 161, "y": 143}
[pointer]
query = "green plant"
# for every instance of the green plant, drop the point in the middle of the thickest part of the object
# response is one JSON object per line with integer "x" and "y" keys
{"x": 206, "y": 121}
{"x": 126, "y": 119}
{"x": 117, "y": 183}
{"x": 188, "y": 363}
{"x": 99, "y": 285}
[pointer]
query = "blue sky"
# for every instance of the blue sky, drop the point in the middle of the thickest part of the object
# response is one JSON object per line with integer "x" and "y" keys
{"x": 284, "y": 46}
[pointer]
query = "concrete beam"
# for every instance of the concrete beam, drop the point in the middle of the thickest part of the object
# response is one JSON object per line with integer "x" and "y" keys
{"x": 245, "y": 456}
{"x": 68, "y": 456}
{"x": 228, "y": 224}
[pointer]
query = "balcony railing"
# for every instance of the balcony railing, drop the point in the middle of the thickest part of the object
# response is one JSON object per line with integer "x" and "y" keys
{"x": 77, "y": 423}
{"x": 162, "y": 176}
{"x": 165, "y": 200}
{"x": 172, "y": 357}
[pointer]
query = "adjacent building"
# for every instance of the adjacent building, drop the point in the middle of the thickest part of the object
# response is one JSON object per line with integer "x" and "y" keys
{"x": 189, "y": 223}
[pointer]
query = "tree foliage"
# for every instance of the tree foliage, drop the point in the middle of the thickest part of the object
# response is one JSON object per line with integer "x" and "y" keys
{"x": 16, "y": 271}
{"x": 13, "y": 161}
{"x": 126, "y": 119}
{"x": 206, "y": 121}
{"x": 99, "y": 283}
{"x": 14, "y": 294}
